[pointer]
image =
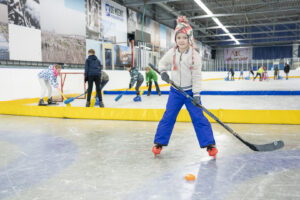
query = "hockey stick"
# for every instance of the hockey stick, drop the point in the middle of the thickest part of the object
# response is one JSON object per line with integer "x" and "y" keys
{"x": 68, "y": 105}
{"x": 120, "y": 95}
{"x": 73, "y": 98}
{"x": 255, "y": 147}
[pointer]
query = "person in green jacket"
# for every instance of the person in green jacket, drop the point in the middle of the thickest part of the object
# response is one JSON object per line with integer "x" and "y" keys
{"x": 135, "y": 77}
{"x": 151, "y": 75}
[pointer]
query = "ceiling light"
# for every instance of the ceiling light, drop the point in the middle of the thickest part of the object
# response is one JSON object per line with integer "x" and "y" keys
{"x": 216, "y": 20}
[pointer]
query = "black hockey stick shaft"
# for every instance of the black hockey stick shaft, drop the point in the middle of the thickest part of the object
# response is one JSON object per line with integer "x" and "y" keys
{"x": 265, "y": 147}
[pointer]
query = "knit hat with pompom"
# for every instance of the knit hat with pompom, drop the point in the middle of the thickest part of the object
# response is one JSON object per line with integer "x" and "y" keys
{"x": 184, "y": 27}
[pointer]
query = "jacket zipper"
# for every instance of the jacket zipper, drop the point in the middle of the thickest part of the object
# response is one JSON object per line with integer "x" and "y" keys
{"x": 180, "y": 67}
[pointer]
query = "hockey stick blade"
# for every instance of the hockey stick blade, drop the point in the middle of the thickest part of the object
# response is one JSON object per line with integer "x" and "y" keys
{"x": 118, "y": 97}
{"x": 262, "y": 147}
{"x": 255, "y": 147}
{"x": 270, "y": 147}
{"x": 73, "y": 98}
{"x": 69, "y": 100}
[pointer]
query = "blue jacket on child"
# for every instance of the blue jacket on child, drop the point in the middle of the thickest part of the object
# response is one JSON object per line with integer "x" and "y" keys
{"x": 93, "y": 66}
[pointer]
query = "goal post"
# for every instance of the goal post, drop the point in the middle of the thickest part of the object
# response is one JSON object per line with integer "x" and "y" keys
{"x": 72, "y": 84}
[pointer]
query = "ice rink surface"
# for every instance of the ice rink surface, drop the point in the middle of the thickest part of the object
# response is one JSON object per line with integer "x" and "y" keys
{"x": 47, "y": 158}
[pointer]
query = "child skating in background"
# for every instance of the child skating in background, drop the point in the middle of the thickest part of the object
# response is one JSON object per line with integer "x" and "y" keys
{"x": 92, "y": 74}
{"x": 241, "y": 74}
{"x": 232, "y": 73}
{"x": 251, "y": 72}
{"x": 104, "y": 81}
{"x": 151, "y": 75}
{"x": 286, "y": 70}
{"x": 185, "y": 65}
{"x": 259, "y": 73}
{"x": 276, "y": 73}
{"x": 136, "y": 77}
{"x": 48, "y": 78}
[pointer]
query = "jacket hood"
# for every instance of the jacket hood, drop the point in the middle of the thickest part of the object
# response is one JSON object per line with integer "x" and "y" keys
{"x": 92, "y": 57}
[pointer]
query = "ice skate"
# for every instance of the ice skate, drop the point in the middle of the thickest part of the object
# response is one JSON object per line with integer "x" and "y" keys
{"x": 50, "y": 101}
{"x": 42, "y": 103}
{"x": 137, "y": 98}
{"x": 101, "y": 104}
{"x": 156, "y": 149}
{"x": 97, "y": 102}
{"x": 212, "y": 150}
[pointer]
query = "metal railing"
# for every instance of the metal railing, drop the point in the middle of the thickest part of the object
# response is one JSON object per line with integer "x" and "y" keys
{"x": 37, "y": 64}
{"x": 221, "y": 65}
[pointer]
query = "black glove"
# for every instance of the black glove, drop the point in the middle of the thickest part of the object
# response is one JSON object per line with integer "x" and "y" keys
{"x": 130, "y": 86}
{"x": 196, "y": 100}
{"x": 165, "y": 77}
{"x": 85, "y": 79}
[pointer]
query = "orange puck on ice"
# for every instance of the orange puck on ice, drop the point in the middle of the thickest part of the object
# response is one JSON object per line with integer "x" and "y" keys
{"x": 190, "y": 177}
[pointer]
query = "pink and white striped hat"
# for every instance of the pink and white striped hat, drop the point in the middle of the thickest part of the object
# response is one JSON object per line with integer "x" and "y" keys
{"x": 184, "y": 27}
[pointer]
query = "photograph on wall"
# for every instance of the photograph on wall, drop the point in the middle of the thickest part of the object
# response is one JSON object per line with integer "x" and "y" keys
{"x": 24, "y": 13}
{"x": 63, "y": 31}
{"x": 131, "y": 21}
{"x": 147, "y": 23}
{"x": 93, "y": 20}
{"x": 114, "y": 20}
{"x": 198, "y": 46}
{"x": 206, "y": 52}
{"x": 4, "y": 53}
{"x": 163, "y": 36}
{"x": 97, "y": 46}
{"x": 155, "y": 35}
{"x": 170, "y": 37}
{"x": 3, "y": 11}
{"x": 25, "y": 50}
{"x": 150, "y": 26}
{"x": 236, "y": 55}
{"x": 122, "y": 56}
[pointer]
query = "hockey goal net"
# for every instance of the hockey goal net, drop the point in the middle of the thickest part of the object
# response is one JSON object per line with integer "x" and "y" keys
{"x": 72, "y": 84}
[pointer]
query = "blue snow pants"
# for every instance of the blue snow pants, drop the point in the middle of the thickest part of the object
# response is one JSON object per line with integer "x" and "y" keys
{"x": 201, "y": 124}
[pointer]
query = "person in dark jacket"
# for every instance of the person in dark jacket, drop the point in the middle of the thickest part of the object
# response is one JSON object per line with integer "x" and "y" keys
{"x": 251, "y": 71}
{"x": 286, "y": 70}
{"x": 231, "y": 70}
{"x": 276, "y": 73}
{"x": 136, "y": 77}
{"x": 92, "y": 74}
{"x": 104, "y": 81}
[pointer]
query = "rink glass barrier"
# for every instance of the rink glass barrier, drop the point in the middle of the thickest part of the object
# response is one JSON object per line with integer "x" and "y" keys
{"x": 21, "y": 107}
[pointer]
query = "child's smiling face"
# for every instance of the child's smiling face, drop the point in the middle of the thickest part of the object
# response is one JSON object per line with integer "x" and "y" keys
{"x": 182, "y": 41}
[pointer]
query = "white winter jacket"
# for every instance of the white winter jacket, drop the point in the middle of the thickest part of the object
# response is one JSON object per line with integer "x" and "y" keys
{"x": 187, "y": 76}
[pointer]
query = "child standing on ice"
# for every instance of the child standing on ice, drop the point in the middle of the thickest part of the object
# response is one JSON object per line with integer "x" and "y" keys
{"x": 92, "y": 74}
{"x": 151, "y": 75}
{"x": 241, "y": 74}
{"x": 48, "y": 78}
{"x": 104, "y": 81}
{"x": 136, "y": 77}
{"x": 185, "y": 65}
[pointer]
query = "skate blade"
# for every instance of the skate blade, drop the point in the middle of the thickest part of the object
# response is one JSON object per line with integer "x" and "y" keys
{"x": 155, "y": 154}
{"x": 52, "y": 104}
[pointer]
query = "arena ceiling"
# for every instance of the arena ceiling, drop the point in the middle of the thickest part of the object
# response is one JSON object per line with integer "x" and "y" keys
{"x": 251, "y": 22}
